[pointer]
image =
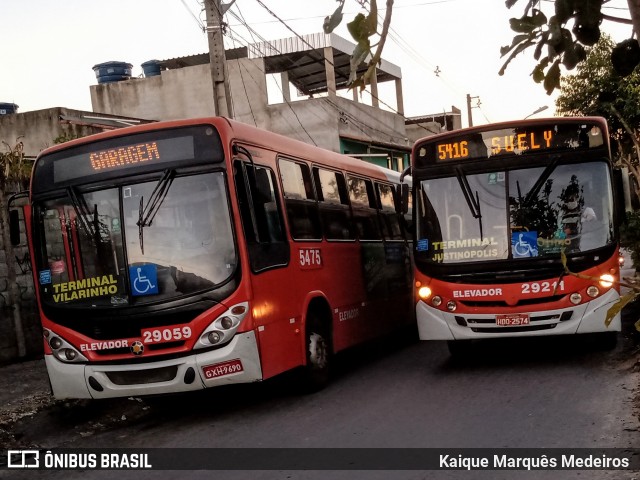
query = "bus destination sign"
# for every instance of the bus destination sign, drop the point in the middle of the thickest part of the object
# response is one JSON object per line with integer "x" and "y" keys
{"x": 117, "y": 157}
{"x": 509, "y": 141}
{"x": 498, "y": 145}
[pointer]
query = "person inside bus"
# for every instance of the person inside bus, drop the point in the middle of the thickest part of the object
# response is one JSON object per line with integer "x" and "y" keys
{"x": 574, "y": 216}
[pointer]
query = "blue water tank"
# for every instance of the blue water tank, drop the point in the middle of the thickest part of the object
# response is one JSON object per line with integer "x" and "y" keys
{"x": 152, "y": 68}
{"x": 108, "y": 72}
{"x": 7, "y": 108}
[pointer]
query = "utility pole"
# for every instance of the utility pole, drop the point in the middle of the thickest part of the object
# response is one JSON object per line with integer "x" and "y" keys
{"x": 214, "y": 10}
{"x": 469, "y": 107}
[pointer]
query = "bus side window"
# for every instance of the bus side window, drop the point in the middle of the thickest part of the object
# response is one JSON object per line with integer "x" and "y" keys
{"x": 388, "y": 213}
{"x": 261, "y": 216}
{"x": 363, "y": 203}
{"x": 300, "y": 200}
{"x": 334, "y": 204}
{"x": 407, "y": 223}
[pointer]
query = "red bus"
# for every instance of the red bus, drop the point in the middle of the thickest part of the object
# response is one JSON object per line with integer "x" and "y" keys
{"x": 495, "y": 207}
{"x": 183, "y": 255}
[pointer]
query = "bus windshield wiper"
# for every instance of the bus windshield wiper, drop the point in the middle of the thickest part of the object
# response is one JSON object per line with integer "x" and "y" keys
{"x": 147, "y": 213}
{"x": 472, "y": 202}
{"x": 82, "y": 213}
{"x": 544, "y": 176}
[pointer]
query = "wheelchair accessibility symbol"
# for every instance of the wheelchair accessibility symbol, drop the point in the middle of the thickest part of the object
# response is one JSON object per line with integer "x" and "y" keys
{"x": 524, "y": 244}
{"x": 144, "y": 280}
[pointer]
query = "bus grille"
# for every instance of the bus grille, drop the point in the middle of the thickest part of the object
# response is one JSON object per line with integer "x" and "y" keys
{"x": 137, "y": 377}
{"x": 502, "y": 303}
{"x": 526, "y": 328}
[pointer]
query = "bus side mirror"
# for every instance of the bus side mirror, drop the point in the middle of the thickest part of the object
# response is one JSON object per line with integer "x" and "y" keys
{"x": 403, "y": 195}
{"x": 14, "y": 227}
{"x": 621, "y": 194}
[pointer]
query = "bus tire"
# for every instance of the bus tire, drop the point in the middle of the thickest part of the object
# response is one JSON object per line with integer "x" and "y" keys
{"x": 318, "y": 352}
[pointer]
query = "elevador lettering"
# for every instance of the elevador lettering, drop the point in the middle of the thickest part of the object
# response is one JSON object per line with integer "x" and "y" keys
{"x": 85, "y": 288}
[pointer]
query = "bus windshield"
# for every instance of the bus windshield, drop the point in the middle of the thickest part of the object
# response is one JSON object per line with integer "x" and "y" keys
{"x": 94, "y": 250}
{"x": 513, "y": 214}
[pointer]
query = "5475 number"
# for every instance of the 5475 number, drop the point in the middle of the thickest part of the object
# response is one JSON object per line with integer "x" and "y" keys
{"x": 310, "y": 258}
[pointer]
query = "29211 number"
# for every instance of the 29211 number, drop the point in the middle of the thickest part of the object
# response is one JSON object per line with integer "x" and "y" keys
{"x": 542, "y": 287}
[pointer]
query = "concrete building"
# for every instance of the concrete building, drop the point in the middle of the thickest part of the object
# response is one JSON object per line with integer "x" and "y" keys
{"x": 293, "y": 86}
{"x": 40, "y": 129}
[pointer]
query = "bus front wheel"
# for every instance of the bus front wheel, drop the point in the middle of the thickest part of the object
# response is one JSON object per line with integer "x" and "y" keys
{"x": 318, "y": 351}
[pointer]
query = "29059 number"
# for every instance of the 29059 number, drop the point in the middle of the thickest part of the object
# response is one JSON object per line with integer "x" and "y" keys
{"x": 168, "y": 334}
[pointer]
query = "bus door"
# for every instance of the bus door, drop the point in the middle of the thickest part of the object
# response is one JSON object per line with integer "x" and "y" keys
{"x": 276, "y": 311}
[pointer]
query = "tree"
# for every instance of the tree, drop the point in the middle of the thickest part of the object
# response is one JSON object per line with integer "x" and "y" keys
{"x": 597, "y": 89}
{"x": 362, "y": 28}
{"x": 567, "y": 48}
{"x": 14, "y": 173}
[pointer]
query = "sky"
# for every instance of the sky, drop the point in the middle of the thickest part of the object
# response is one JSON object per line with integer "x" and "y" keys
{"x": 447, "y": 49}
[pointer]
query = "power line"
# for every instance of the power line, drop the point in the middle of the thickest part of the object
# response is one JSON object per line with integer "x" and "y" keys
{"x": 198, "y": 20}
{"x": 241, "y": 19}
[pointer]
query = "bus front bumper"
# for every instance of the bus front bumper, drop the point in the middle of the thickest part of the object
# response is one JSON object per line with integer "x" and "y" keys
{"x": 434, "y": 324}
{"x": 237, "y": 362}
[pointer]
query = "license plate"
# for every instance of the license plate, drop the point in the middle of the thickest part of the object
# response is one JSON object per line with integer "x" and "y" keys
{"x": 221, "y": 369}
{"x": 512, "y": 319}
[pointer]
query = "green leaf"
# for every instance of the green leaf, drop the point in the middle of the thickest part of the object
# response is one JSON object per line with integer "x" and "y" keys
{"x": 538, "y": 51}
{"x": 358, "y": 28}
{"x": 516, "y": 51}
{"x": 358, "y": 56}
{"x": 538, "y": 18}
{"x": 564, "y": 10}
{"x": 617, "y": 307}
{"x": 574, "y": 54}
{"x": 372, "y": 18}
{"x": 527, "y": 24}
{"x": 516, "y": 40}
{"x": 521, "y": 25}
{"x": 551, "y": 82}
{"x": 538, "y": 75}
{"x": 330, "y": 23}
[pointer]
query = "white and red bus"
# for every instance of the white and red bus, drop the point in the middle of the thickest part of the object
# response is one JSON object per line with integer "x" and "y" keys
{"x": 182, "y": 255}
{"x": 495, "y": 206}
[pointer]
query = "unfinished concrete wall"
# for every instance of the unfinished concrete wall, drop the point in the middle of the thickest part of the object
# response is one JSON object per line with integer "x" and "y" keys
{"x": 185, "y": 93}
{"x": 39, "y": 129}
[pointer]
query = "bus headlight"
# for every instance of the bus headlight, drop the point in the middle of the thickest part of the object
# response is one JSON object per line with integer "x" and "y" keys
{"x": 214, "y": 337}
{"x": 575, "y": 298}
{"x": 224, "y": 327}
{"x": 63, "y": 350}
{"x": 451, "y": 306}
{"x": 424, "y": 293}
{"x": 593, "y": 291}
{"x": 436, "y": 301}
{"x": 70, "y": 354}
{"x": 606, "y": 280}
